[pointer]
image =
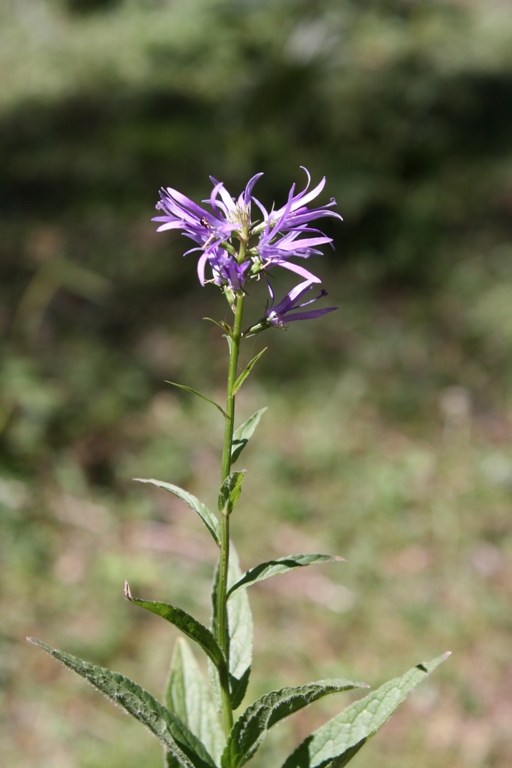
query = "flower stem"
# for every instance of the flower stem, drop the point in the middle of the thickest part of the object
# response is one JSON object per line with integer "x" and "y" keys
{"x": 222, "y": 614}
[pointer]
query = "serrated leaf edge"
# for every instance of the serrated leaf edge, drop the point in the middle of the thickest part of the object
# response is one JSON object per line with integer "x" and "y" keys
{"x": 161, "y": 714}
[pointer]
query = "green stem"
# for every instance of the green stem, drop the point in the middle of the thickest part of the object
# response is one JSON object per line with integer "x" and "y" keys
{"x": 222, "y": 612}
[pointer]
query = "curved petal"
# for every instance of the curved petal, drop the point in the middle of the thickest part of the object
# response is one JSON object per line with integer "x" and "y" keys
{"x": 201, "y": 266}
{"x": 299, "y": 271}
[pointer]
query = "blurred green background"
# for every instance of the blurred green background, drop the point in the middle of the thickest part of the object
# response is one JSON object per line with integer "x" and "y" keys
{"x": 388, "y": 435}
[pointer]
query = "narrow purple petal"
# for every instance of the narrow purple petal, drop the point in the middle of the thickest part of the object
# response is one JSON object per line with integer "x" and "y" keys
{"x": 213, "y": 196}
{"x": 307, "y": 243}
{"x": 299, "y": 271}
{"x": 303, "y": 199}
{"x": 169, "y": 225}
{"x": 248, "y": 190}
{"x": 226, "y": 198}
{"x": 294, "y": 295}
{"x": 262, "y": 208}
{"x": 286, "y": 310}
{"x": 185, "y": 203}
{"x": 200, "y": 267}
{"x": 309, "y": 315}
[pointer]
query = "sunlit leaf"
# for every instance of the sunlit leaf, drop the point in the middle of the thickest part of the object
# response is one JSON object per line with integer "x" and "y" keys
{"x": 183, "y": 621}
{"x": 240, "y": 636}
{"x": 240, "y": 633}
{"x": 198, "y": 394}
{"x": 208, "y": 518}
{"x": 338, "y": 741}
{"x": 184, "y": 747}
{"x": 230, "y": 491}
{"x": 188, "y": 696}
{"x": 243, "y": 434}
{"x": 220, "y": 323}
{"x": 248, "y": 368}
{"x": 281, "y": 565}
{"x": 252, "y": 727}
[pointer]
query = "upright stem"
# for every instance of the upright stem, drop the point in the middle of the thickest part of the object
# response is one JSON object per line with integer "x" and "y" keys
{"x": 222, "y": 617}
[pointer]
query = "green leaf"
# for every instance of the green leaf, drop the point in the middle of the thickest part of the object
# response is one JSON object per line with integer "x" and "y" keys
{"x": 238, "y": 686}
{"x": 203, "y": 397}
{"x": 251, "y": 728}
{"x": 243, "y": 434}
{"x": 248, "y": 368}
{"x": 186, "y": 623}
{"x": 338, "y": 741}
{"x": 282, "y": 565}
{"x": 220, "y": 323}
{"x": 184, "y": 747}
{"x": 230, "y": 491}
{"x": 188, "y": 696}
{"x": 208, "y": 518}
{"x": 240, "y": 634}
{"x": 213, "y": 675}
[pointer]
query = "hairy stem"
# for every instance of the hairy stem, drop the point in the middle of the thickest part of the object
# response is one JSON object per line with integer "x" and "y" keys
{"x": 222, "y": 617}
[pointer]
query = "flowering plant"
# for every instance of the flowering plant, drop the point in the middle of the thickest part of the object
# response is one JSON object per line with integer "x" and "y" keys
{"x": 237, "y": 249}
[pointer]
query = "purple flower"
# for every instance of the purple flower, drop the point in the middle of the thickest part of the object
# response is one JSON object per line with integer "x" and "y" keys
{"x": 238, "y": 249}
{"x": 226, "y": 270}
{"x": 280, "y": 314}
{"x": 295, "y": 214}
{"x": 198, "y": 224}
{"x": 279, "y": 252}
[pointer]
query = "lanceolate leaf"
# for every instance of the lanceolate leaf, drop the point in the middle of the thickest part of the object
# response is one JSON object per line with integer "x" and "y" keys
{"x": 184, "y": 747}
{"x": 240, "y": 632}
{"x": 251, "y": 728}
{"x": 203, "y": 397}
{"x": 248, "y": 368}
{"x": 221, "y": 324}
{"x": 188, "y": 696}
{"x": 202, "y": 510}
{"x": 240, "y": 636}
{"x": 243, "y": 434}
{"x": 338, "y": 741}
{"x": 188, "y": 625}
{"x": 213, "y": 675}
{"x": 275, "y": 567}
{"x": 230, "y": 491}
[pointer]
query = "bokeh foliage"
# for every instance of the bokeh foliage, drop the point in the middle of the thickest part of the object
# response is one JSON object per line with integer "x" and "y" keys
{"x": 405, "y": 464}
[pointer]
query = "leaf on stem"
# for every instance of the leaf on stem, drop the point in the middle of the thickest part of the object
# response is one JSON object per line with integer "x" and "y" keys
{"x": 230, "y": 491}
{"x": 188, "y": 696}
{"x": 246, "y": 371}
{"x": 183, "y": 621}
{"x": 338, "y": 741}
{"x": 240, "y": 633}
{"x": 240, "y": 636}
{"x": 243, "y": 434}
{"x": 208, "y": 518}
{"x": 184, "y": 747}
{"x": 252, "y": 727}
{"x": 213, "y": 675}
{"x": 203, "y": 397}
{"x": 282, "y": 565}
{"x": 220, "y": 323}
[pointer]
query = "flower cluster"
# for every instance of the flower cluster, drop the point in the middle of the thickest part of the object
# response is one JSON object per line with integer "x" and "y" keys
{"x": 238, "y": 249}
